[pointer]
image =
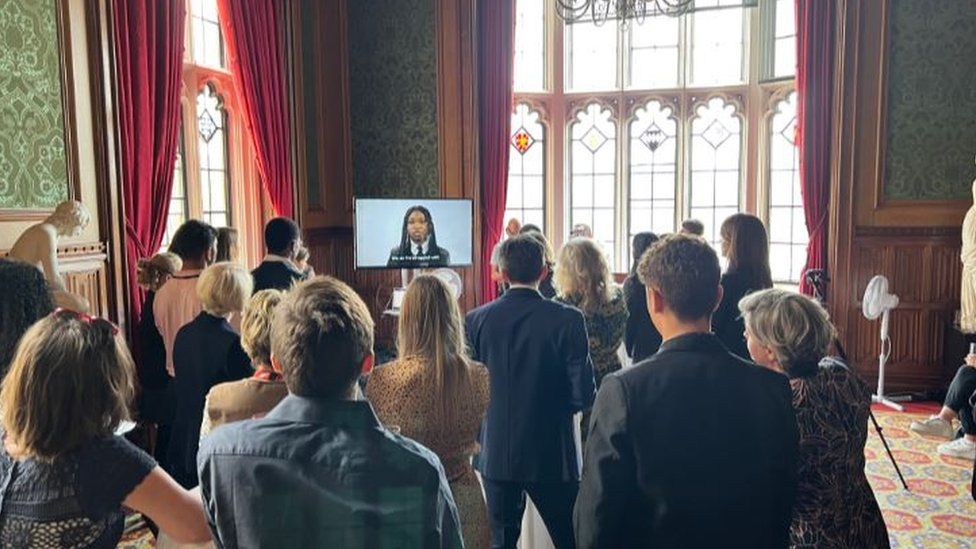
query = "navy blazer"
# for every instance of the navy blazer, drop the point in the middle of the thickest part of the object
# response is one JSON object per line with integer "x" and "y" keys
{"x": 538, "y": 361}
{"x": 276, "y": 275}
{"x": 693, "y": 447}
{"x": 207, "y": 351}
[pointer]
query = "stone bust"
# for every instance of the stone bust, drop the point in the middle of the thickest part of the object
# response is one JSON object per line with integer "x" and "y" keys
{"x": 38, "y": 246}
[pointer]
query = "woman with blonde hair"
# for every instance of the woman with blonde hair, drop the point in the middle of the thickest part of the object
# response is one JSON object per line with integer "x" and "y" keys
{"x": 436, "y": 395}
{"x": 584, "y": 281}
{"x": 207, "y": 351}
{"x": 835, "y": 507}
{"x": 65, "y": 474}
{"x": 258, "y": 394}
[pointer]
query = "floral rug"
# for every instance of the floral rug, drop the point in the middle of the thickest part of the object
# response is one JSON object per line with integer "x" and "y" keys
{"x": 939, "y": 511}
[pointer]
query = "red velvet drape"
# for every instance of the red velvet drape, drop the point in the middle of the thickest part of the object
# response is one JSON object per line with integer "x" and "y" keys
{"x": 252, "y": 32}
{"x": 496, "y": 45}
{"x": 814, "y": 84}
{"x": 149, "y": 70}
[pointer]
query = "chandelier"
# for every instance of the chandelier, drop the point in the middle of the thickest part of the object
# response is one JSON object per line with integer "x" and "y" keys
{"x": 599, "y": 11}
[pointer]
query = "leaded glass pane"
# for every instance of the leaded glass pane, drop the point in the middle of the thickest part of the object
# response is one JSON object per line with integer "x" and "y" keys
{"x": 784, "y": 50}
{"x": 653, "y": 162}
{"x": 593, "y": 174}
{"x": 214, "y": 181}
{"x": 715, "y": 165}
{"x": 177, "y": 201}
{"x": 525, "y": 200}
{"x": 208, "y": 47}
{"x": 717, "y": 47}
{"x": 653, "y": 61}
{"x": 591, "y": 52}
{"x": 530, "y": 37}
{"x": 787, "y": 225}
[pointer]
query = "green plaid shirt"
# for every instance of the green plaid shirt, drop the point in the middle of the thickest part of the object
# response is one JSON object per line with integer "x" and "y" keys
{"x": 323, "y": 473}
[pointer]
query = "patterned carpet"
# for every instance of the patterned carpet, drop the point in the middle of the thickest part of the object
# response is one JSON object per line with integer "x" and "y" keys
{"x": 940, "y": 511}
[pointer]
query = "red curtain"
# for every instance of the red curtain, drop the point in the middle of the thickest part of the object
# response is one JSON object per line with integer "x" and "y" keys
{"x": 814, "y": 84}
{"x": 496, "y": 45}
{"x": 149, "y": 71}
{"x": 252, "y": 32}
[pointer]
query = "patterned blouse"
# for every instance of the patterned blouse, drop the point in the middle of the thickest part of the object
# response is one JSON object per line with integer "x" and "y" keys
{"x": 605, "y": 328}
{"x": 835, "y": 507}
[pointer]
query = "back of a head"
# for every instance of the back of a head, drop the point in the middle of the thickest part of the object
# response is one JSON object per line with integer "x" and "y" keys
{"x": 279, "y": 235}
{"x": 83, "y": 365}
{"x": 24, "y": 299}
{"x": 193, "y": 240}
{"x": 582, "y": 272}
{"x": 796, "y": 327}
{"x": 152, "y": 273}
{"x": 530, "y": 228}
{"x": 320, "y": 335}
{"x": 256, "y": 325}
{"x": 686, "y": 272}
{"x": 224, "y": 288}
{"x": 522, "y": 258}
{"x": 227, "y": 247}
{"x": 693, "y": 227}
{"x": 748, "y": 248}
{"x": 642, "y": 241}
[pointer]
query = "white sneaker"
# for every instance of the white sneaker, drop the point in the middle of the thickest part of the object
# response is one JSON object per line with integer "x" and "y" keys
{"x": 959, "y": 448}
{"x": 934, "y": 426}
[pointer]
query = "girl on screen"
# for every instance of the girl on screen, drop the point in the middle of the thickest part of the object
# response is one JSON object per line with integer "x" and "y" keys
{"x": 418, "y": 242}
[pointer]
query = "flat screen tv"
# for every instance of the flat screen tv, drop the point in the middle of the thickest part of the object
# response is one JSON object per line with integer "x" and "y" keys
{"x": 413, "y": 233}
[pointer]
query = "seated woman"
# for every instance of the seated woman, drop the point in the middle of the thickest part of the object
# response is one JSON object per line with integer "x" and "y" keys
{"x": 207, "y": 351}
{"x": 25, "y": 298}
{"x": 641, "y": 338}
{"x": 66, "y": 475}
{"x": 436, "y": 395}
{"x": 958, "y": 405}
{"x": 258, "y": 394}
{"x": 835, "y": 507}
{"x": 584, "y": 281}
{"x": 746, "y": 246}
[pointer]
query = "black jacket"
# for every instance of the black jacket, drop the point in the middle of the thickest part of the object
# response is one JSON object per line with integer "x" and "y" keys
{"x": 206, "y": 352}
{"x": 641, "y": 338}
{"x": 727, "y": 321}
{"x": 693, "y": 447}
{"x": 277, "y": 275}
{"x": 538, "y": 361}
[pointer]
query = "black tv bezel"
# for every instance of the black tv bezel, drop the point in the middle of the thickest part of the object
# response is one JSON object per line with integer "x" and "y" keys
{"x": 421, "y": 201}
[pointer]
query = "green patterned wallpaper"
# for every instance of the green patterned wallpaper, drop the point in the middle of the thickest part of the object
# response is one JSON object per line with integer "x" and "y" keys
{"x": 393, "y": 97}
{"x": 931, "y": 123}
{"x": 33, "y": 168}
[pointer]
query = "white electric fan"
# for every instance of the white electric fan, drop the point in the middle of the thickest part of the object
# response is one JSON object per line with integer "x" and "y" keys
{"x": 879, "y": 302}
{"x": 452, "y": 279}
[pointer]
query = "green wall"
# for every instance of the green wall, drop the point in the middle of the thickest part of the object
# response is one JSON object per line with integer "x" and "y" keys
{"x": 33, "y": 169}
{"x": 931, "y": 122}
{"x": 393, "y": 97}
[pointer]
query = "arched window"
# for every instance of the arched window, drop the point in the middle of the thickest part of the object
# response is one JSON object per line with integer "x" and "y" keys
{"x": 680, "y": 92}
{"x": 526, "y": 168}
{"x": 212, "y": 154}
{"x": 787, "y": 227}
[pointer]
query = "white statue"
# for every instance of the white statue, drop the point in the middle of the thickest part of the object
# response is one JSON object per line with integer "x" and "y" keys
{"x": 38, "y": 246}
{"x": 967, "y": 297}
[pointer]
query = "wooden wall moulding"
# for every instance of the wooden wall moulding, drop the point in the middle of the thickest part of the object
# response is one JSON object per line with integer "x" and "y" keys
{"x": 84, "y": 267}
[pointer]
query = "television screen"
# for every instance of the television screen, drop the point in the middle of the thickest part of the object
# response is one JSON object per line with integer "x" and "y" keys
{"x": 407, "y": 233}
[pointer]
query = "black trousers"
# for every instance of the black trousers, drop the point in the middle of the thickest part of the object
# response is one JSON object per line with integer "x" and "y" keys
{"x": 961, "y": 390}
{"x": 506, "y": 505}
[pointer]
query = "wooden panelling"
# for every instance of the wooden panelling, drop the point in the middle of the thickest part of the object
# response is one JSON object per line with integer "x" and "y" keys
{"x": 84, "y": 268}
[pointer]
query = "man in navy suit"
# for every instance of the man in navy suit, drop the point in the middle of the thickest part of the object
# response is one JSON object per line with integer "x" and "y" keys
{"x": 538, "y": 359}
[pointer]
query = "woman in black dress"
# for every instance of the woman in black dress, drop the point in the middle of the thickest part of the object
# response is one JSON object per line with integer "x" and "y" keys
{"x": 746, "y": 246}
{"x": 641, "y": 338}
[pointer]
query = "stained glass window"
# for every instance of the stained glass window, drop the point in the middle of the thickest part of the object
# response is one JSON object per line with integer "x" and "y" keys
{"x": 593, "y": 155}
{"x": 784, "y": 36}
{"x": 177, "y": 201}
{"x": 530, "y": 45}
{"x": 715, "y": 165}
{"x": 526, "y": 169}
{"x": 208, "y": 44}
{"x": 653, "y": 173}
{"x": 787, "y": 226}
{"x": 212, "y": 149}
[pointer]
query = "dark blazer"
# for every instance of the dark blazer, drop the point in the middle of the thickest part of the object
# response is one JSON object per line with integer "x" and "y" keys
{"x": 277, "y": 275}
{"x": 404, "y": 259}
{"x": 539, "y": 365}
{"x": 693, "y": 447}
{"x": 727, "y": 321}
{"x": 641, "y": 338}
{"x": 206, "y": 352}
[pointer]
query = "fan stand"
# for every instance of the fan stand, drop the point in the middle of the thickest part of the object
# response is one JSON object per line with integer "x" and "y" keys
{"x": 880, "y": 397}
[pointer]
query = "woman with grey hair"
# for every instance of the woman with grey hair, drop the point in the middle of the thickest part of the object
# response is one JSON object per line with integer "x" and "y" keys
{"x": 835, "y": 507}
